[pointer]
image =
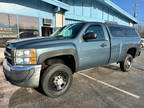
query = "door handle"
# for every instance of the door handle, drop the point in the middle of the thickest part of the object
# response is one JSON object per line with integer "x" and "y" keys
{"x": 103, "y": 45}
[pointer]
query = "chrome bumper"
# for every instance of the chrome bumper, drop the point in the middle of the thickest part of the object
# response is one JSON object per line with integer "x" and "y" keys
{"x": 24, "y": 76}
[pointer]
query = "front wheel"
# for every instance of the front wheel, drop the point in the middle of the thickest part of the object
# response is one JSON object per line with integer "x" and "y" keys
{"x": 127, "y": 63}
{"x": 56, "y": 80}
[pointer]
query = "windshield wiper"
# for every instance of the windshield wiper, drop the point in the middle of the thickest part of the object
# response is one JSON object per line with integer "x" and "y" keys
{"x": 59, "y": 37}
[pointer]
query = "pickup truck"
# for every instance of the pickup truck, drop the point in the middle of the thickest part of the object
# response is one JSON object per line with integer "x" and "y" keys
{"x": 49, "y": 62}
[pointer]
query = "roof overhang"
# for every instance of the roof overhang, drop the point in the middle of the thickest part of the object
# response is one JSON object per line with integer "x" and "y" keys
{"x": 120, "y": 10}
{"x": 105, "y": 2}
{"x": 58, "y": 4}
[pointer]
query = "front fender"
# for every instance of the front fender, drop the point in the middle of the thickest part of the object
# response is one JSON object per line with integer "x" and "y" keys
{"x": 46, "y": 55}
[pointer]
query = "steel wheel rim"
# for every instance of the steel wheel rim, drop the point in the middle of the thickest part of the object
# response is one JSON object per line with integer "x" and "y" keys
{"x": 58, "y": 81}
{"x": 128, "y": 63}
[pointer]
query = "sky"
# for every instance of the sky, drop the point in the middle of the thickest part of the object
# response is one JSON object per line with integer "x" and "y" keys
{"x": 128, "y": 5}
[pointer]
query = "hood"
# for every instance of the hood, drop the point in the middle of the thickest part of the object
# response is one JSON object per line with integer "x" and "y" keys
{"x": 37, "y": 42}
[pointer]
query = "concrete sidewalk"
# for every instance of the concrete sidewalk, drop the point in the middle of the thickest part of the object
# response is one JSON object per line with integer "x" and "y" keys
{"x": 1, "y": 54}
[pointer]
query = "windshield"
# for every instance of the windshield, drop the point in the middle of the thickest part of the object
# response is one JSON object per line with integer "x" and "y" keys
{"x": 69, "y": 30}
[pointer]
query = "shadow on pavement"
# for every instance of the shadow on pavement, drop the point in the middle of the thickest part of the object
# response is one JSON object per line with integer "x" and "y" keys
{"x": 112, "y": 67}
{"x": 82, "y": 94}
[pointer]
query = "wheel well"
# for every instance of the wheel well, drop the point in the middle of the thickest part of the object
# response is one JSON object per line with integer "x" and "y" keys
{"x": 65, "y": 59}
{"x": 132, "y": 51}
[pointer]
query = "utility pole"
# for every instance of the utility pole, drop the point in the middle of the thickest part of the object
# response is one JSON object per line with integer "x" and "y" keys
{"x": 135, "y": 7}
{"x": 135, "y": 12}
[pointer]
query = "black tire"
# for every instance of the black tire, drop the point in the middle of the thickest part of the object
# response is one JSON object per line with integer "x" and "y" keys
{"x": 52, "y": 84}
{"x": 125, "y": 65}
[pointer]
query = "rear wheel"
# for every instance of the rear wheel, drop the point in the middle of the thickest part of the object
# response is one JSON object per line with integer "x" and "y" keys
{"x": 56, "y": 80}
{"x": 127, "y": 63}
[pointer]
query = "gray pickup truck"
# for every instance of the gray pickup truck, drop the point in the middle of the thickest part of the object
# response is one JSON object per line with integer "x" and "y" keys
{"x": 50, "y": 62}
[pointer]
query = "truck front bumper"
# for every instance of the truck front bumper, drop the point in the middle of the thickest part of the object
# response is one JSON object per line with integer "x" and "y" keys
{"x": 24, "y": 76}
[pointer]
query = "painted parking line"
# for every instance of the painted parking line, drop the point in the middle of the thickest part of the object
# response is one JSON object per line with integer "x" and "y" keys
{"x": 111, "y": 86}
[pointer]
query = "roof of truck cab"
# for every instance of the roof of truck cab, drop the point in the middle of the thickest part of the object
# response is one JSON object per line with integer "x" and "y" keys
{"x": 117, "y": 25}
{"x": 114, "y": 25}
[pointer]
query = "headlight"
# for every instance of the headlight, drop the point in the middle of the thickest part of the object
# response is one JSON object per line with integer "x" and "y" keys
{"x": 26, "y": 60}
{"x": 19, "y": 60}
{"x": 26, "y": 56}
{"x": 26, "y": 53}
{"x": 19, "y": 53}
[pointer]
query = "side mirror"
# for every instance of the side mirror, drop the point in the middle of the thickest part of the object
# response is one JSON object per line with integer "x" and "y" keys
{"x": 90, "y": 35}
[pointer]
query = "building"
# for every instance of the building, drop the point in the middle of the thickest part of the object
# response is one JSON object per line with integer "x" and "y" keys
{"x": 29, "y": 18}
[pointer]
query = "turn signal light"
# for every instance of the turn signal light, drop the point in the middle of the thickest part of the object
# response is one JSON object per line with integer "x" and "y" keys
{"x": 33, "y": 53}
{"x": 33, "y": 60}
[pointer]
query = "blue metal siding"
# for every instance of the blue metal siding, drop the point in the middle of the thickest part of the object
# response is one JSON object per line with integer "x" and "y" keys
{"x": 92, "y": 10}
{"x": 87, "y": 8}
{"x": 57, "y": 3}
{"x": 70, "y": 21}
{"x": 79, "y": 10}
{"x": 105, "y": 14}
{"x": 98, "y": 8}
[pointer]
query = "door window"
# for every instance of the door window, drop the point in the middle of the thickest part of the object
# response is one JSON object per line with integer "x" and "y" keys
{"x": 122, "y": 32}
{"x": 117, "y": 31}
{"x": 98, "y": 30}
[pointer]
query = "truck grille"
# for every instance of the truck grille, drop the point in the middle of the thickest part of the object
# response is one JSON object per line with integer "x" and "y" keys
{"x": 9, "y": 55}
{"x": 8, "y": 50}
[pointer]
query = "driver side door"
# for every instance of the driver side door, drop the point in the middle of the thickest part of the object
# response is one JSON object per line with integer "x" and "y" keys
{"x": 94, "y": 52}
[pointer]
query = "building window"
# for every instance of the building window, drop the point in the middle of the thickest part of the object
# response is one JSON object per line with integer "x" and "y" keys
{"x": 28, "y": 26}
{"x": 8, "y": 26}
{"x": 14, "y": 26}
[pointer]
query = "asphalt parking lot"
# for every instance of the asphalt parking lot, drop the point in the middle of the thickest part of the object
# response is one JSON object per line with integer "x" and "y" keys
{"x": 102, "y": 87}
